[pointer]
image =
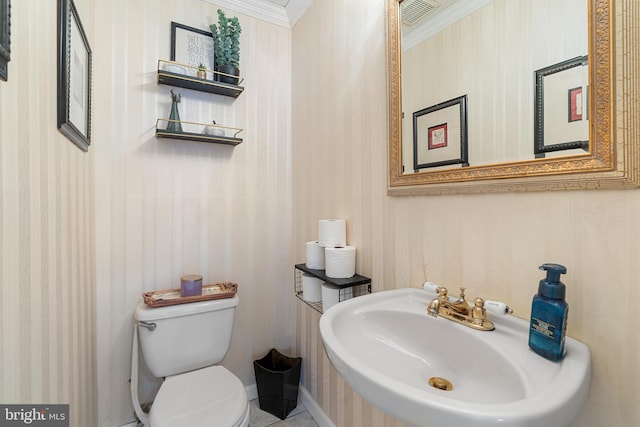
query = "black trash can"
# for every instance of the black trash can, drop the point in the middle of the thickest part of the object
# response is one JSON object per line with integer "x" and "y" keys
{"x": 277, "y": 379}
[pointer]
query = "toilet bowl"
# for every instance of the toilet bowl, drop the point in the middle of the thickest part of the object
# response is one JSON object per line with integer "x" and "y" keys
{"x": 210, "y": 396}
{"x": 184, "y": 344}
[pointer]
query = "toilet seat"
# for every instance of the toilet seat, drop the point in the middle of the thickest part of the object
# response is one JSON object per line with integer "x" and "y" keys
{"x": 208, "y": 397}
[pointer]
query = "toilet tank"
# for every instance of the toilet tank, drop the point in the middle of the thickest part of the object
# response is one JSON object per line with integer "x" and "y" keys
{"x": 186, "y": 336}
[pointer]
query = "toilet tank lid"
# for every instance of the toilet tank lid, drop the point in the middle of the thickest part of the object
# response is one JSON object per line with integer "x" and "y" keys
{"x": 145, "y": 313}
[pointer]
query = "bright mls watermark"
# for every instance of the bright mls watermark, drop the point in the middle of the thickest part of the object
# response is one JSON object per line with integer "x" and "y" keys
{"x": 34, "y": 415}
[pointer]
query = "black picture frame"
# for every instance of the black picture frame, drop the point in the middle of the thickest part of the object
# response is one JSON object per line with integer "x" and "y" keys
{"x": 561, "y": 129}
{"x": 74, "y": 77}
{"x": 192, "y": 47}
{"x": 440, "y": 135}
{"x": 5, "y": 38}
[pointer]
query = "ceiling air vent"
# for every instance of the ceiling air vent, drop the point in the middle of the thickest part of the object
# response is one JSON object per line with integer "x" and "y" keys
{"x": 414, "y": 10}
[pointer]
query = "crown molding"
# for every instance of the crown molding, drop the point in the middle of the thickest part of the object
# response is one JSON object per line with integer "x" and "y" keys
{"x": 297, "y": 8}
{"x": 438, "y": 22}
{"x": 267, "y": 11}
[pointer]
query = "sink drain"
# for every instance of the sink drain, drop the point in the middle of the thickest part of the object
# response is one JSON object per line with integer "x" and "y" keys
{"x": 440, "y": 383}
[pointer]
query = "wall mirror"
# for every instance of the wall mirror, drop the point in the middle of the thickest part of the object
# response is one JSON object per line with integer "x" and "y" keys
{"x": 496, "y": 54}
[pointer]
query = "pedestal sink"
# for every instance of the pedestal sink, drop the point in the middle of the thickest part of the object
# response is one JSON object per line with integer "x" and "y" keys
{"x": 433, "y": 372}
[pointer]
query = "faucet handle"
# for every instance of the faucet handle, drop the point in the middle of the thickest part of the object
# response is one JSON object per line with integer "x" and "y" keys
{"x": 497, "y": 307}
{"x": 431, "y": 287}
{"x": 443, "y": 293}
{"x": 478, "y": 312}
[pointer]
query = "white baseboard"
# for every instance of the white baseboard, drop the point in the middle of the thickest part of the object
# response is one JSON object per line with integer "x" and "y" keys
{"x": 252, "y": 391}
{"x": 314, "y": 409}
{"x": 131, "y": 424}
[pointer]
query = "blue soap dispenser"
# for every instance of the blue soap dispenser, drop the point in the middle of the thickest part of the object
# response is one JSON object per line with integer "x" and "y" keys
{"x": 549, "y": 312}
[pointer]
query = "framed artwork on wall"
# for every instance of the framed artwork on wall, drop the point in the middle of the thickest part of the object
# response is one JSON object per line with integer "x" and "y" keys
{"x": 577, "y": 104}
{"x": 5, "y": 36}
{"x": 192, "y": 47}
{"x": 440, "y": 135}
{"x": 74, "y": 77}
{"x": 561, "y": 107}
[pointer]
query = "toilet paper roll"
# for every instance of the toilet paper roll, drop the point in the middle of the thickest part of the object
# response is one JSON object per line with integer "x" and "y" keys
{"x": 315, "y": 256}
{"x": 340, "y": 263}
{"x": 332, "y": 232}
{"x": 311, "y": 288}
{"x": 332, "y": 295}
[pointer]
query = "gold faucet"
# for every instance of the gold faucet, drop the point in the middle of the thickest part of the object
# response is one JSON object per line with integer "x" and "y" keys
{"x": 460, "y": 310}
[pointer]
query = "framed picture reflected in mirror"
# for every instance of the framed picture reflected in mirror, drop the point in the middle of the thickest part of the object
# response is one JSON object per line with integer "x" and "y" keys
{"x": 561, "y": 107}
{"x": 440, "y": 135}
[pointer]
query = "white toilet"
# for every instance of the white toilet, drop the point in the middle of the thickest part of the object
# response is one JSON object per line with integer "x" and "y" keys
{"x": 184, "y": 343}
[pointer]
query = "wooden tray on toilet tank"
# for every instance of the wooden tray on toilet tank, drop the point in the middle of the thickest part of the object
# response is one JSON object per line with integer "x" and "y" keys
{"x": 173, "y": 297}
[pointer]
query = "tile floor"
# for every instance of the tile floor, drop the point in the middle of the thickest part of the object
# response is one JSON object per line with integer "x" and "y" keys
{"x": 299, "y": 417}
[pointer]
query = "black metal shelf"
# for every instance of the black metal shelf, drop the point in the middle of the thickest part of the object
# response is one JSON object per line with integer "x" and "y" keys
{"x": 198, "y": 136}
{"x": 351, "y": 287}
{"x": 202, "y": 85}
{"x": 186, "y": 77}
{"x": 193, "y": 82}
{"x": 356, "y": 279}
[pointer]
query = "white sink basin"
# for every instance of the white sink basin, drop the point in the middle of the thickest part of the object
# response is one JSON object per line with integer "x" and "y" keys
{"x": 387, "y": 349}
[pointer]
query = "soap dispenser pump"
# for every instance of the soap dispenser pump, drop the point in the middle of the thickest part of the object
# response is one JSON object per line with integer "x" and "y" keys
{"x": 549, "y": 312}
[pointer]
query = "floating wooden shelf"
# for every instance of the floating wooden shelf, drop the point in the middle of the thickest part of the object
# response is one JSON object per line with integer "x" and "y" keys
{"x": 163, "y": 132}
{"x": 189, "y": 79}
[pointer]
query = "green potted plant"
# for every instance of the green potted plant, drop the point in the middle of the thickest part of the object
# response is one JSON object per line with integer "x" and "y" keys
{"x": 202, "y": 71}
{"x": 226, "y": 41}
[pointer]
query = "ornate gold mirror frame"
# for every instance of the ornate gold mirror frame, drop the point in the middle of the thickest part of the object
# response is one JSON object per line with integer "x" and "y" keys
{"x": 614, "y": 156}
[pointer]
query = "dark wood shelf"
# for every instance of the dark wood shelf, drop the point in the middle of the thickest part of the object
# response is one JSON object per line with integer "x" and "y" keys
{"x": 163, "y": 132}
{"x": 355, "y": 280}
{"x": 195, "y": 83}
{"x": 185, "y": 78}
{"x": 197, "y": 137}
{"x": 351, "y": 287}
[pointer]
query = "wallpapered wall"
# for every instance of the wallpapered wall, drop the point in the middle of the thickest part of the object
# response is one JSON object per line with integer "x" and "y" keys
{"x": 165, "y": 208}
{"x": 492, "y": 244}
{"x": 84, "y": 234}
{"x": 47, "y": 230}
